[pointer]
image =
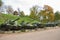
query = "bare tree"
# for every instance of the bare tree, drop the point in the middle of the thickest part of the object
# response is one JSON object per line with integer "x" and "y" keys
{"x": 9, "y": 10}
{"x": 1, "y": 3}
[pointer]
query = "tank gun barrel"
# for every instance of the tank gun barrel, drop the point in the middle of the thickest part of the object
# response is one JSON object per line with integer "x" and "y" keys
{"x": 15, "y": 19}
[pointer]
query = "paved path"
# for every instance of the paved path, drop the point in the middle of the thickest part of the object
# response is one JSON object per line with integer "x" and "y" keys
{"x": 53, "y": 34}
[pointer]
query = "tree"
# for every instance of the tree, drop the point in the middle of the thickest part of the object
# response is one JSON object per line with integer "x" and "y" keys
{"x": 49, "y": 11}
{"x": 32, "y": 15}
{"x": 15, "y": 13}
{"x": 22, "y": 13}
{"x": 51, "y": 17}
{"x": 9, "y": 9}
{"x": 1, "y": 3}
{"x": 57, "y": 15}
{"x": 43, "y": 16}
{"x": 34, "y": 12}
{"x": 48, "y": 8}
{"x": 47, "y": 14}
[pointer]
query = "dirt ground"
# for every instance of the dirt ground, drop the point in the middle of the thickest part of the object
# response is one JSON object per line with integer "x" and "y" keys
{"x": 51, "y": 34}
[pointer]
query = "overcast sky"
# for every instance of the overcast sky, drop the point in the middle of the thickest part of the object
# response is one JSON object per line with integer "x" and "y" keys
{"x": 25, "y": 5}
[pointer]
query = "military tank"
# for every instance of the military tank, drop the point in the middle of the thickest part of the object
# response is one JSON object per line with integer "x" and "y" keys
{"x": 9, "y": 25}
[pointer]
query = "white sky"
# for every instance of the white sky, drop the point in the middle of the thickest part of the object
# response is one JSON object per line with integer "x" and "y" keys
{"x": 25, "y": 5}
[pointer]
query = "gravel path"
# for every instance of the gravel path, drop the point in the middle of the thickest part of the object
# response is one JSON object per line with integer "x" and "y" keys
{"x": 53, "y": 34}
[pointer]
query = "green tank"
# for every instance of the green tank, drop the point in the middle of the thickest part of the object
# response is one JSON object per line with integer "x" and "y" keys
{"x": 9, "y": 25}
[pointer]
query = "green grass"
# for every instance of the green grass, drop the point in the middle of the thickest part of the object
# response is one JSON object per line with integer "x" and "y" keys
{"x": 5, "y": 17}
{"x": 27, "y": 19}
